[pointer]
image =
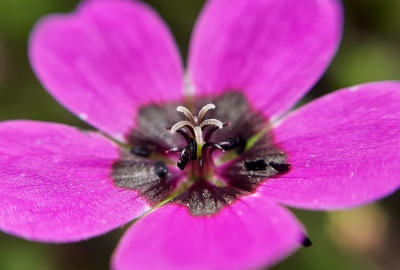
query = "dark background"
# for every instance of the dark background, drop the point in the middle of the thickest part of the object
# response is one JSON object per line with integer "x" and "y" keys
{"x": 363, "y": 238}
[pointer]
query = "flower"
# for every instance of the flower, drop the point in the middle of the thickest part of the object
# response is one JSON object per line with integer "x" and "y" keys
{"x": 205, "y": 172}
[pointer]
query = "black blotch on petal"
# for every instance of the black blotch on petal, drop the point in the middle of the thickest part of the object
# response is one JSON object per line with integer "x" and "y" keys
{"x": 306, "y": 242}
{"x": 141, "y": 151}
{"x": 204, "y": 198}
{"x": 255, "y": 165}
{"x": 150, "y": 178}
{"x": 161, "y": 170}
{"x": 251, "y": 168}
{"x": 280, "y": 167}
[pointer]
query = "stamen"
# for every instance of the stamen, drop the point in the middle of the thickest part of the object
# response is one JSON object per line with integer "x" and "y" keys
{"x": 207, "y": 134}
{"x": 192, "y": 147}
{"x": 184, "y": 158}
{"x": 186, "y": 133}
{"x": 232, "y": 143}
{"x": 217, "y": 146}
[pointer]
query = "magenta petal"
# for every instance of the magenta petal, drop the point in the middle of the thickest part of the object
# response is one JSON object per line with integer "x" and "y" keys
{"x": 55, "y": 183}
{"x": 105, "y": 60}
{"x": 249, "y": 234}
{"x": 344, "y": 149}
{"x": 272, "y": 50}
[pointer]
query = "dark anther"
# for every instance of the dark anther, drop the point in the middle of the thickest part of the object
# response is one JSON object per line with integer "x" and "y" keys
{"x": 255, "y": 165}
{"x": 280, "y": 167}
{"x": 306, "y": 242}
{"x": 192, "y": 147}
{"x": 141, "y": 151}
{"x": 215, "y": 146}
{"x": 234, "y": 143}
{"x": 160, "y": 169}
{"x": 184, "y": 158}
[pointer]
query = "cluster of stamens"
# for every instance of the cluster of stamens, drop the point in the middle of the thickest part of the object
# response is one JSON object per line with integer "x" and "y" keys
{"x": 192, "y": 130}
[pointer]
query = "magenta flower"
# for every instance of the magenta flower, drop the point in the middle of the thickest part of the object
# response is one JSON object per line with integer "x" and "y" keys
{"x": 204, "y": 166}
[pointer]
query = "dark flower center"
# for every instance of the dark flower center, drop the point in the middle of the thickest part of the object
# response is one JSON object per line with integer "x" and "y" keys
{"x": 203, "y": 162}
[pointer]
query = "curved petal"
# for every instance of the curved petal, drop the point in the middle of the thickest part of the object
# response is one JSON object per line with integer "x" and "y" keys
{"x": 343, "y": 149}
{"x": 105, "y": 60}
{"x": 272, "y": 50}
{"x": 249, "y": 234}
{"x": 55, "y": 184}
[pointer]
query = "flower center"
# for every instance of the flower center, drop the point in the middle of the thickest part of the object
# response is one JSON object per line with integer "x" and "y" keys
{"x": 248, "y": 155}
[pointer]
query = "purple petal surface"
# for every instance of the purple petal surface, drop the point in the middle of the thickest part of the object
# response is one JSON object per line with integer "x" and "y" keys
{"x": 272, "y": 50}
{"x": 344, "y": 149}
{"x": 105, "y": 60}
{"x": 248, "y": 234}
{"x": 55, "y": 183}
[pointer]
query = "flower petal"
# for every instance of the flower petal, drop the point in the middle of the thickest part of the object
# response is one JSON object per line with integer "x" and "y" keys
{"x": 272, "y": 50}
{"x": 106, "y": 60}
{"x": 343, "y": 149}
{"x": 56, "y": 186}
{"x": 248, "y": 234}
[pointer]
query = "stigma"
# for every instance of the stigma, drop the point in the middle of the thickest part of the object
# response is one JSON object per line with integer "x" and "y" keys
{"x": 192, "y": 129}
{"x": 195, "y": 124}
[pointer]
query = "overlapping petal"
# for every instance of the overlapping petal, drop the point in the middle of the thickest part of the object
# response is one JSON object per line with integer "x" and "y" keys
{"x": 105, "y": 60}
{"x": 272, "y": 50}
{"x": 248, "y": 234}
{"x": 344, "y": 149}
{"x": 56, "y": 185}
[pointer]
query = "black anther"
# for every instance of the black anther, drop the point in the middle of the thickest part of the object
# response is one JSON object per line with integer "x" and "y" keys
{"x": 255, "y": 165}
{"x": 141, "y": 151}
{"x": 192, "y": 147}
{"x": 306, "y": 242}
{"x": 160, "y": 169}
{"x": 280, "y": 167}
{"x": 184, "y": 158}
{"x": 234, "y": 143}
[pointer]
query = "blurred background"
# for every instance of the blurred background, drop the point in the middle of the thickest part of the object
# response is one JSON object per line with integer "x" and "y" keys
{"x": 363, "y": 238}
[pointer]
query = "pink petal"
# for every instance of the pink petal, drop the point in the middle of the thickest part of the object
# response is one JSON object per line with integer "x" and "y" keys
{"x": 344, "y": 149}
{"x": 249, "y": 234}
{"x": 272, "y": 50}
{"x": 55, "y": 183}
{"x": 105, "y": 60}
